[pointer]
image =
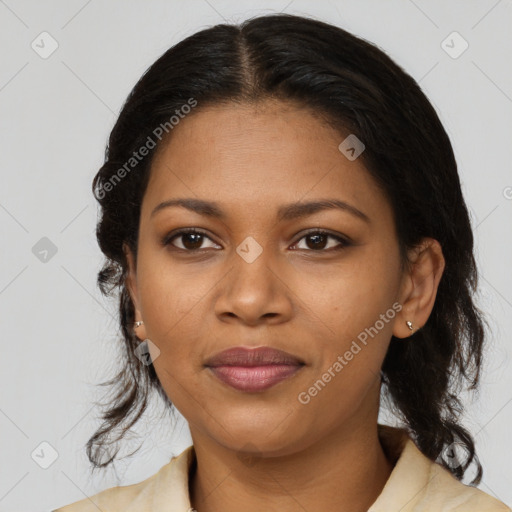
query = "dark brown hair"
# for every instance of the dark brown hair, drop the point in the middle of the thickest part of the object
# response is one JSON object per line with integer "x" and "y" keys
{"x": 358, "y": 89}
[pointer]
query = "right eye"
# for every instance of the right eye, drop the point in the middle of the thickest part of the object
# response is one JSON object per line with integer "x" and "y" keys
{"x": 191, "y": 239}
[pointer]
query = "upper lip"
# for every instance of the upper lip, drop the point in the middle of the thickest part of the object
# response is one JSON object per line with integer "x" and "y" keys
{"x": 260, "y": 356}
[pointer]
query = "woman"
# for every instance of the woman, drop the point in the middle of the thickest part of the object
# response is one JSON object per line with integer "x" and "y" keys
{"x": 283, "y": 218}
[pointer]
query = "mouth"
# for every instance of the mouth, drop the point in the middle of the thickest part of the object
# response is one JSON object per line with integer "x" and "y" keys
{"x": 253, "y": 370}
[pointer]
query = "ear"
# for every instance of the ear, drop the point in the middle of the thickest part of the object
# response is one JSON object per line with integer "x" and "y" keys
{"x": 419, "y": 286}
{"x": 131, "y": 285}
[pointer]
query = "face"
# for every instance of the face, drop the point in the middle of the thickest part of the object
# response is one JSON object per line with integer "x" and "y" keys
{"x": 260, "y": 275}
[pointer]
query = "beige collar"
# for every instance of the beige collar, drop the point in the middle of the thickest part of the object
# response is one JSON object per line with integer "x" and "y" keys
{"x": 416, "y": 484}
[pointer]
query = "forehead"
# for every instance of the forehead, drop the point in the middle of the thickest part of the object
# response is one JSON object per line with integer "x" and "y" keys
{"x": 255, "y": 155}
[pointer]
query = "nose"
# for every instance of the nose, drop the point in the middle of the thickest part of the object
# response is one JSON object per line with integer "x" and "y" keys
{"x": 254, "y": 291}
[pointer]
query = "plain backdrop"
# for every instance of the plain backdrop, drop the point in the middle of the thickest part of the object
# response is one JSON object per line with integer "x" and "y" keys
{"x": 59, "y": 335}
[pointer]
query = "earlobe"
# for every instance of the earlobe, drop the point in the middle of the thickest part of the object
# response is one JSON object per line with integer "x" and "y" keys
{"x": 419, "y": 287}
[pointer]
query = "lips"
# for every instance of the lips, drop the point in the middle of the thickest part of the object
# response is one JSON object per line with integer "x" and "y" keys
{"x": 253, "y": 370}
{"x": 261, "y": 356}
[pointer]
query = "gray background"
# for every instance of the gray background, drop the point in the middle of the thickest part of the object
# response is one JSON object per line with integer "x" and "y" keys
{"x": 58, "y": 333}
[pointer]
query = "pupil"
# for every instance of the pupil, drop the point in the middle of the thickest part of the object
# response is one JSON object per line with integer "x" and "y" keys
{"x": 195, "y": 244}
{"x": 317, "y": 237}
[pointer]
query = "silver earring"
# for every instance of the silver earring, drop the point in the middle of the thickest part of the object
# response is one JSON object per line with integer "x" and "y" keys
{"x": 138, "y": 323}
{"x": 409, "y": 324}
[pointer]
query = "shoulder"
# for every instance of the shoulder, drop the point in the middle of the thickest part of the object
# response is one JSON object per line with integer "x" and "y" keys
{"x": 111, "y": 500}
{"x": 446, "y": 493}
{"x": 170, "y": 483}
{"x": 419, "y": 484}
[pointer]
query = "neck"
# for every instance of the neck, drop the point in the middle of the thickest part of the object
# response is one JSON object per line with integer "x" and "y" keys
{"x": 345, "y": 470}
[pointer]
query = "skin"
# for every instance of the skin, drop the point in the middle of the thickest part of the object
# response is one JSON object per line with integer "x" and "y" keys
{"x": 266, "y": 450}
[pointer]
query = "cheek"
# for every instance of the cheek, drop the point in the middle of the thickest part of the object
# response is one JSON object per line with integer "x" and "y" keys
{"x": 356, "y": 308}
{"x": 169, "y": 295}
{"x": 351, "y": 296}
{"x": 360, "y": 316}
{"x": 173, "y": 324}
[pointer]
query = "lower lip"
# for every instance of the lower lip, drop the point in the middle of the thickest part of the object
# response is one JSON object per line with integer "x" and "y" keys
{"x": 254, "y": 378}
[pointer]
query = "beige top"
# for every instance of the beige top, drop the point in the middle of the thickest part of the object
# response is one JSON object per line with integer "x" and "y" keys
{"x": 416, "y": 484}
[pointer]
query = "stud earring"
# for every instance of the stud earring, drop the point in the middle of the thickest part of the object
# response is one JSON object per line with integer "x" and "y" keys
{"x": 138, "y": 323}
{"x": 409, "y": 324}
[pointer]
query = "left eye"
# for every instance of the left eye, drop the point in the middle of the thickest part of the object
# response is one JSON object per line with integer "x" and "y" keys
{"x": 319, "y": 241}
{"x": 192, "y": 240}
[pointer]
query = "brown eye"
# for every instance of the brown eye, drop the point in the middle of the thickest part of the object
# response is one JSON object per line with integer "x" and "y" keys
{"x": 318, "y": 241}
{"x": 191, "y": 240}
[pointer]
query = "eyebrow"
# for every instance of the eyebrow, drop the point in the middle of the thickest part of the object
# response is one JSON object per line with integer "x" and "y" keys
{"x": 286, "y": 212}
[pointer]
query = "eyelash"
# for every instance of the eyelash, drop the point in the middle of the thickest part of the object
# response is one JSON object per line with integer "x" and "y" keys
{"x": 344, "y": 242}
